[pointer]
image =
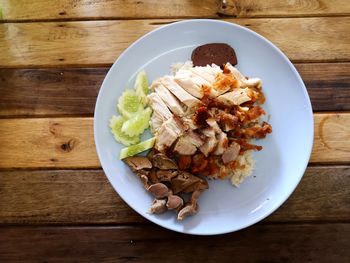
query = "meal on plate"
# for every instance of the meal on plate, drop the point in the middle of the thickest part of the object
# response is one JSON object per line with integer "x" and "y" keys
{"x": 204, "y": 118}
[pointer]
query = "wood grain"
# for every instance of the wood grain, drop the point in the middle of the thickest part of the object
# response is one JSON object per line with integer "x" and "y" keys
{"x": 260, "y": 243}
{"x": 330, "y": 138}
{"x": 38, "y": 92}
{"x": 69, "y": 143}
{"x": 22, "y": 10}
{"x": 328, "y": 85}
{"x": 101, "y": 42}
{"x": 86, "y": 197}
{"x": 73, "y": 91}
{"x": 50, "y": 142}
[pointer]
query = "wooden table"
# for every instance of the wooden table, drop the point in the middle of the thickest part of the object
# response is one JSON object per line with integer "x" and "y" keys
{"x": 56, "y": 204}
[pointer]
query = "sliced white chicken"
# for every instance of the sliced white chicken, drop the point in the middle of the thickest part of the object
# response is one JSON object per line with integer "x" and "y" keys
{"x": 252, "y": 82}
{"x": 212, "y": 123}
{"x": 167, "y": 134}
{"x": 168, "y": 98}
{"x": 208, "y": 73}
{"x": 159, "y": 106}
{"x": 222, "y": 144}
{"x": 191, "y": 82}
{"x": 179, "y": 92}
{"x": 184, "y": 146}
{"x": 155, "y": 122}
{"x": 210, "y": 141}
{"x": 235, "y": 97}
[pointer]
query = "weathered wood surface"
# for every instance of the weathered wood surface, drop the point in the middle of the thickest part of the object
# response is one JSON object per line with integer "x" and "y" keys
{"x": 72, "y": 197}
{"x": 101, "y": 42}
{"x": 73, "y": 91}
{"x": 69, "y": 142}
{"x": 260, "y": 243}
{"x": 23, "y": 10}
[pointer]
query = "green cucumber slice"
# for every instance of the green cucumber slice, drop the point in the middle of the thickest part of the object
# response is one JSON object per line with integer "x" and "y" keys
{"x": 141, "y": 86}
{"x": 137, "y": 124}
{"x": 137, "y": 148}
{"x": 116, "y": 123}
{"x": 129, "y": 103}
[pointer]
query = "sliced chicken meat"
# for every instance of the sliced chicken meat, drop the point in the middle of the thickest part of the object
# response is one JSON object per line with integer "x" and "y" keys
{"x": 188, "y": 143}
{"x": 222, "y": 144}
{"x": 210, "y": 141}
{"x": 159, "y": 107}
{"x": 231, "y": 153}
{"x": 235, "y": 97}
{"x": 168, "y": 98}
{"x": 253, "y": 82}
{"x": 167, "y": 134}
{"x": 191, "y": 82}
{"x": 212, "y": 123}
{"x": 179, "y": 92}
{"x": 208, "y": 73}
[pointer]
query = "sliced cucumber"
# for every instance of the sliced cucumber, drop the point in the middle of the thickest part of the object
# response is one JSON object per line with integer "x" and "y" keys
{"x": 116, "y": 123}
{"x": 141, "y": 86}
{"x": 129, "y": 103}
{"x": 137, "y": 148}
{"x": 137, "y": 124}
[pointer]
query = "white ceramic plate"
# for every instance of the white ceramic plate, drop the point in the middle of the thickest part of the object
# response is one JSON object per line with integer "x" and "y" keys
{"x": 279, "y": 166}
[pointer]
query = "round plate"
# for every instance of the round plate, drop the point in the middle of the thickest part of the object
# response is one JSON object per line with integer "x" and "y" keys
{"x": 279, "y": 166}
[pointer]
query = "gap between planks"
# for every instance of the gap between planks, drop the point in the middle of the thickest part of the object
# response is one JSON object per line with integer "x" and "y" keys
{"x": 40, "y": 10}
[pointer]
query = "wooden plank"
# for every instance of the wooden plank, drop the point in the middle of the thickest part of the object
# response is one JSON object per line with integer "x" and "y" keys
{"x": 332, "y": 132}
{"x": 86, "y": 197}
{"x": 328, "y": 85}
{"x": 261, "y": 243}
{"x": 73, "y": 91}
{"x": 22, "y": 10}
{"x": 79, "y": 43}
{"x": 55, "y": 142}
{"x": 37, "y": 92}
{"x": 69, "y": 143}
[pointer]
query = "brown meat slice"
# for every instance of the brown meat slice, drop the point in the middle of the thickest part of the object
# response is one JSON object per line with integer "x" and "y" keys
{"x": 174, "y": 202}
{"x": 143, "y": 175}
{"x": 183, "y": 181}
{"x": 163, "y": 162}
{"x": 165, "y": 175}
{"x": 231, "y": 153}
{"x": 138, "y": 163}
{"x": 158, "y": 190}
{"x": 158, "y": 206}
{"x": 199, "y": 186}
{"x": 191, "y": 207}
